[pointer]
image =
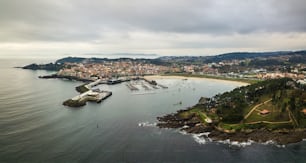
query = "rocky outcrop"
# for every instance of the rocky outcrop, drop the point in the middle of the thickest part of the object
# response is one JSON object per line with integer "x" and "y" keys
{"x": 74, "y": 103}
{"x": 192, "y": 124}
{"x": 49, "y": 66}
{"x": 82, "y": 88}
{"x": 261, "y": 135}
{"x": 65, "y": 77}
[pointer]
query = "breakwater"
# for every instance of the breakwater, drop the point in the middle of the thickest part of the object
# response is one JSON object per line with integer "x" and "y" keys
{"x": 134, "y": 83}
{"x": 87, "y": 94}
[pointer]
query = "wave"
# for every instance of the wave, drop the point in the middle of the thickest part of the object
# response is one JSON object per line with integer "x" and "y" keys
{"x": 146, "y": 124}
{"x": 250, "y": 142}
{"x": 183, "y": 132}
{"x": 236, "y": 143}
{"x": 271, "y": 142}
{"x": 200, "y": 139}
{"x": 203, "y": 138}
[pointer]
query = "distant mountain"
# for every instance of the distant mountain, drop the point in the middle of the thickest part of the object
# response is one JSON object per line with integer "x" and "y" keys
{"x": 70, "y": 60}
{"x": 98, "y": 60}
{"x": 234, "y": 56}
{"x": 258, "y": 59}
{"x": 193, "y": 59}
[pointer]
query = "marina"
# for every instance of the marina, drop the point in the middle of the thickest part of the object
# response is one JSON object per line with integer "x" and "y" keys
{"x": 144, "y": 84}
{"x": 88, "y": 93}
{"x": 132, "y": 87}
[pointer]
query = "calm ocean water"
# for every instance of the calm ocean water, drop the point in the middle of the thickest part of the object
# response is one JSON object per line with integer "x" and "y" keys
{"x": 36, "y": 127}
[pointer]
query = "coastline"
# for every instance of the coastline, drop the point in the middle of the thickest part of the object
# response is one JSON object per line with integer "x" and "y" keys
{"x": 212, "y": 115}
{"x": 193, "y": 125}
{"x": 154, "y": 77}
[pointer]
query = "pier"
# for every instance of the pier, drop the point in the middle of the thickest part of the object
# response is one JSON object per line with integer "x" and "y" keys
{"x": 145, "y": 84}
{"x": 87, "y": 93}
{"x": 91, "y": 95}
{"x": 95, "y": 95}
{"x": 132, "y": 87}
{"x": 162, "y": 86}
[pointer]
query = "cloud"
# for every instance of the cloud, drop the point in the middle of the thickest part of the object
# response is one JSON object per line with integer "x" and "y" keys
{"x": 143, "y": 25}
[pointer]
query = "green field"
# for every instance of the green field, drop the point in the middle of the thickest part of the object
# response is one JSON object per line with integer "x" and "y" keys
{"x": 198, "y": 112}
{"x": 261, "y": 100}
{"x": 275, "y": 114}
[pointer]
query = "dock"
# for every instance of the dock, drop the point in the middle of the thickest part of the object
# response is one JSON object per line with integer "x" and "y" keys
{"x": 162, "y": 86}
{"x": 132, "y": 87}
{"x": 146, "y": 84}
{"x": 89, "y": 93}
{"x": 145, "y": 87}
{"x": 95, "y": 95}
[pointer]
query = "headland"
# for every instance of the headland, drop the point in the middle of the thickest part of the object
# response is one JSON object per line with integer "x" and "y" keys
{"x": 269, "y": 110}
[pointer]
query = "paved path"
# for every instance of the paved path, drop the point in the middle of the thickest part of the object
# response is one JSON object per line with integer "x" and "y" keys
{"x": 254, "y": 108}
{"x": 281, "y": 122}
{"x": 291, "y": 116}
{"x": 292, "y": 119}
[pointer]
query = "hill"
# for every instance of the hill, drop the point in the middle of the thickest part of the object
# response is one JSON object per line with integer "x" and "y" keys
{"x": 274, "y": 106}
{"x": 255, "y": 60}
{"x": 101, "y": 60}
{"x": 295, "y": 56}
{"x": 49, "y": 66}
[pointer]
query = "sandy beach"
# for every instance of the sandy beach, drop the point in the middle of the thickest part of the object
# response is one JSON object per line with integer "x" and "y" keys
{"x": 154, "y": 77}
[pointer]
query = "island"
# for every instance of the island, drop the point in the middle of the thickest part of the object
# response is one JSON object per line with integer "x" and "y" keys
{"x": 273, "y": 109}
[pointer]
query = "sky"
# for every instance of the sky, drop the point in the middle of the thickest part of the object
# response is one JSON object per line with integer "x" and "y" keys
{"x": 149, "y": 28}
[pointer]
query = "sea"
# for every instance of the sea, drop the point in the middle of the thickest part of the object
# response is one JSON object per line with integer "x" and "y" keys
{"x": 36, "y": 127}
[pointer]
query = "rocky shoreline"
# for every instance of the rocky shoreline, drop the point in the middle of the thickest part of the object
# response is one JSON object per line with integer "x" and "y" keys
{"x": 281, "y": 137}
{"x": 193, "y": 125}
{"x": 65, "y": 77}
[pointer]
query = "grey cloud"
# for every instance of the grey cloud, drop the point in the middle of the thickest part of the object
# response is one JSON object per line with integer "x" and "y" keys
{"x": 69, "y": 20}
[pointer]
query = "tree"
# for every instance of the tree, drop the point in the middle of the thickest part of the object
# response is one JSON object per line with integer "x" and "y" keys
{"x": 292, "y": 103}
{"x": 274, "y": 98}
{"x": 284, "y": 106}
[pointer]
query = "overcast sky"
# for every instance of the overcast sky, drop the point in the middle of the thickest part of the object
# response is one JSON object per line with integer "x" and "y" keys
{"x": 173, "y": 27}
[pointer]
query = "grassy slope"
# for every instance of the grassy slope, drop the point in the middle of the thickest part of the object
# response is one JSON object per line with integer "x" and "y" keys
{"x": 276, "y": 119}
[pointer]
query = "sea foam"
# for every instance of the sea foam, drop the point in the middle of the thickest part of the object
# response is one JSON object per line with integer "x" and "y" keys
{"x": 146, "y": 124}
{"x": 200, "y": 139}
{"x": 236, "y": 143}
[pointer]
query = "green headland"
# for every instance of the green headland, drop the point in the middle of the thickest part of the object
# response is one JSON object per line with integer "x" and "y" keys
{"x": 268, "y": 110}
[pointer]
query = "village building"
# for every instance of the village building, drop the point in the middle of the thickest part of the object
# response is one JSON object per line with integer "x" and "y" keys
{"x": 264, "y": 112}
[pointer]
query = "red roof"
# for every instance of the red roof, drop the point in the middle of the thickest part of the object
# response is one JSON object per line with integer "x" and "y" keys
{"x": 265, "y": 111}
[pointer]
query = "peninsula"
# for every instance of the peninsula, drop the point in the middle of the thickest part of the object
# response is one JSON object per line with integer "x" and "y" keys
{"x": 269, "y": 110}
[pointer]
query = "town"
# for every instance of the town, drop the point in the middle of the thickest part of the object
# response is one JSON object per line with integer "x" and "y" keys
{"x": 234, "y": 69}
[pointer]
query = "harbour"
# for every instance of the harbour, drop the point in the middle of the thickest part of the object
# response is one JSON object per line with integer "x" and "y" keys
{"x": 88, "y": 93}
{"x": 35, "y": 119}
